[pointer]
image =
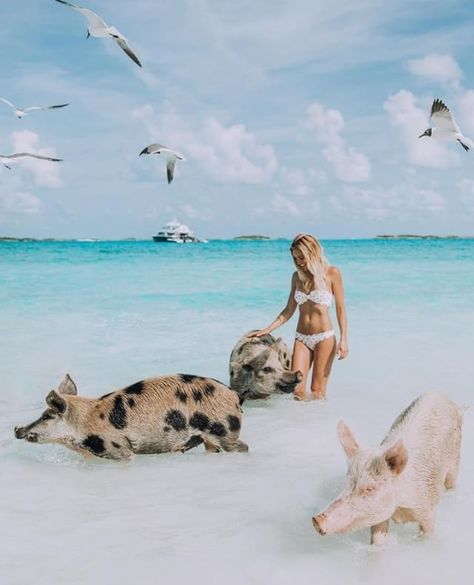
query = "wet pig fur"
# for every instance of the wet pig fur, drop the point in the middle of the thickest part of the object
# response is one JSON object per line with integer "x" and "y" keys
{"x": 260, "y": 367}
{"x": 156, "y": 415}
{"x": 403, "y": 478}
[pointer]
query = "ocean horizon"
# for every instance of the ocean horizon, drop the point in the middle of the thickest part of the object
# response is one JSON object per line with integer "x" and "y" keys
{"x": 110, "y": 313}
{"x": 250, "y": 238}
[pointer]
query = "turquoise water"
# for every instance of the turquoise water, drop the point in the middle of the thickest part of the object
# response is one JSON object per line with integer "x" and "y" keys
{"x": 111, "y": 313}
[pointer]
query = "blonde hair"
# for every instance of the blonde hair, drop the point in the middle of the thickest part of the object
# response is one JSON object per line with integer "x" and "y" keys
{"x": 316, "y": 264}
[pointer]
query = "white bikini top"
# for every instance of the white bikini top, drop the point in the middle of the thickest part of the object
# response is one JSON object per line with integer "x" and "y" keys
{"x": 319, "y": 296}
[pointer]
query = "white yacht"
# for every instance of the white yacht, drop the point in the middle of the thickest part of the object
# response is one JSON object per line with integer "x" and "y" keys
{"x": 176, "y": 233}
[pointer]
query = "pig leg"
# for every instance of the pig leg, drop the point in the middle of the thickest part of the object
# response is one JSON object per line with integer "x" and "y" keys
{"x": 94, "y": 445}
{"x": 210, "y": 446}
{"x": 451, "y": 476}
{"x": 234, "y": 445}
{"x": 378, "y": 532}
{"x": 450, "y": 479}
{"x": 426, "y": 521}
{"x": 192, "y": 442}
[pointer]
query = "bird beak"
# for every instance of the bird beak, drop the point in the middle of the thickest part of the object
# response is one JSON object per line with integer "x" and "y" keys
{"x": 88, "y": 35}
{"x": 421, "y": 135}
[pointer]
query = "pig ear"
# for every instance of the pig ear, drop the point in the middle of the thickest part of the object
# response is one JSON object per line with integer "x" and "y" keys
{"x": 396, "y": 457}
{"x": 349, "y": 444}
{"x": 67, "y": 386}
{"x": 281, "y": 347}
{"x": 56, "y": 402}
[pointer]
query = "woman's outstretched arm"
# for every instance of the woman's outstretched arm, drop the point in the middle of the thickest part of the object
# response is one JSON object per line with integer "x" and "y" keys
{"x": 338, "y": 292}
{"x": 283, "y": 317}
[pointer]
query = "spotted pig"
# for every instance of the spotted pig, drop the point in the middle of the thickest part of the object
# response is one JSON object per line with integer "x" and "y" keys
{"x": 157, "y": 415}
{"x": 260, "y": 367}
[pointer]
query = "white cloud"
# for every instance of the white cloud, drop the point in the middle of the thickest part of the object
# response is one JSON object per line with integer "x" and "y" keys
{"x": 412, "y": 121}
{"x": 349, "y": 164}
{"x": 45, "y": 173}
{"x": 297, "y": 181}
{"x": 437, "y": 68}
{"x": 227, "y": 153}
{"x": 282, "y": 204}
{"x": 403, "y": 201}
{"x": 18, "y": 203}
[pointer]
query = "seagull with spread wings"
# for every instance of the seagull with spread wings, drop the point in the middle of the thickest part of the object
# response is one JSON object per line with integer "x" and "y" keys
{"x": 171, "y": 157}
{"x": 20, "y": 112}
{"x": 7, "y": 159}
{"x": 445, "y": 126}
{"x": 98, "y": 28}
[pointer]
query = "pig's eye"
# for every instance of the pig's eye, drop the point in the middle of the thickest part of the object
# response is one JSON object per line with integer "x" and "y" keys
{"x": 247, "y": 368}
{"x": 46, "y": 416}
{"x": 268, "y": 370}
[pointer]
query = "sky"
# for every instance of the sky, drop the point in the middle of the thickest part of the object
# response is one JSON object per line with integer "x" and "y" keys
{"x": 293, "y": 115}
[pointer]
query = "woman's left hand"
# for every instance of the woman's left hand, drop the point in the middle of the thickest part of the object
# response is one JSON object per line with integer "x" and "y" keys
{"x": 342, "y": 350}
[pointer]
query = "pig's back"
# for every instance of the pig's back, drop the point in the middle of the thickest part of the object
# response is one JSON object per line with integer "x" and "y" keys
{"x": 183, "y": 391}
{"x": 431, "y": 429}
{"x": 432, "y": 416}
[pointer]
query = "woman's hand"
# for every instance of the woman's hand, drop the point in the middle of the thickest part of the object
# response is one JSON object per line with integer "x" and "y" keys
{"x": 342, "y": 350}
{"x": 259, "y": 333}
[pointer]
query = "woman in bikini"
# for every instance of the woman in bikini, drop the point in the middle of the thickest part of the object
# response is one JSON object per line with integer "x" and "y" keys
{"x": 313, "y": 285}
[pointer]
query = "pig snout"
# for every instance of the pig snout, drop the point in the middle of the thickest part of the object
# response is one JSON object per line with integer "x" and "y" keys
{"x": 319, "y": 523}
{"x": 336, "y": 519}
{"x": 24, "y": 433}
{"x": 289, "y": 380}
{"x": 20, "y": 432}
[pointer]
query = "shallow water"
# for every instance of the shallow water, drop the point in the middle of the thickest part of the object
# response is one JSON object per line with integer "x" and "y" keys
{"x": 111, "y": 313}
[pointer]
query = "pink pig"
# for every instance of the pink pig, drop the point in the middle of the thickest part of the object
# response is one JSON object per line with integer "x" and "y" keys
{"x": 403, "y": 478}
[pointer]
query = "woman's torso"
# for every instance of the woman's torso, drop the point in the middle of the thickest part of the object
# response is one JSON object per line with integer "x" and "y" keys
{"x": 314, "y": 307}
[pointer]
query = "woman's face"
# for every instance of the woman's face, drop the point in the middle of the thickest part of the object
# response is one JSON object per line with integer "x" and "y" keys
{"x": 299, "y": 258}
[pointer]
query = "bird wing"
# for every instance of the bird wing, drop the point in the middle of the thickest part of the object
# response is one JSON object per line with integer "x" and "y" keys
{"x": 44, "y": 107}
{"x": 93, "y": 19}
{"x": 170, "y": 168}
{"x": 152, "y": 149}
{"x": 123, "y": 45}
{"x": 8, "y": 103}
{"x": 442, "y": 117}
{"x": 23, "y": 154}
{"x": 175, "y": 153}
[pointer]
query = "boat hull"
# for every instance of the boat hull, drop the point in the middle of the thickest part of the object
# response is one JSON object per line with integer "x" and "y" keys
{"x": 165, "y": 240}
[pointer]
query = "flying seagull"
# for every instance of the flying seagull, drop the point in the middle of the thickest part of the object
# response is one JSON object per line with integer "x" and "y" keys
{"x": 11, "y": 158}
{"x": 98, "y": 28}
{"x": 20, "y": 112}
{"x": 445, "y": 126}
{"x": 171, "y": 157}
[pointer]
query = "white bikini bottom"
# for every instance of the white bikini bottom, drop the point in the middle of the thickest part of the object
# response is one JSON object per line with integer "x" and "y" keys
{"x": 311, "y": 341}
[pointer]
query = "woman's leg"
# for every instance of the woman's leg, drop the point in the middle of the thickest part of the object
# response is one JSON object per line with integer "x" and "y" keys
{"x": 302, "y": 359}
{"x": 323, "y": 355}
